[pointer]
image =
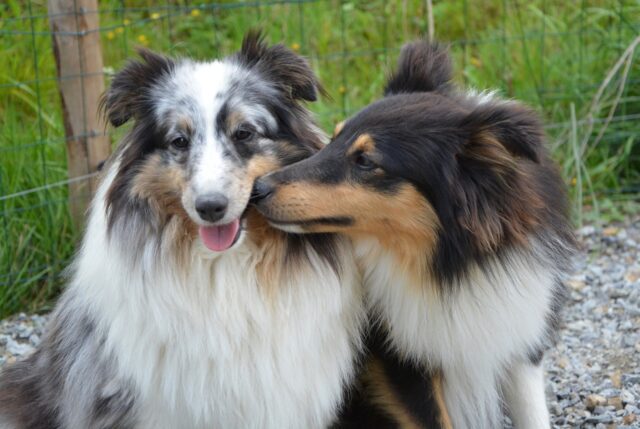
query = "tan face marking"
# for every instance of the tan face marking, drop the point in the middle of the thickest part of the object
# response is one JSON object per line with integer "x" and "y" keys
{"x": 161, "y": 185}
{"x": 260, "y": 165}
{"x": 185, "y": 125}
{"x": 402, "y": 220}
{"x": 234, "y": 120}
{"x": 364, "y": 143}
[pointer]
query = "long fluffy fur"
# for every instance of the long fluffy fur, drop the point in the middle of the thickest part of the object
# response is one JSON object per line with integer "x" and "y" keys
{"x": 460, "y": 222}
{"x": 156, "y": 331}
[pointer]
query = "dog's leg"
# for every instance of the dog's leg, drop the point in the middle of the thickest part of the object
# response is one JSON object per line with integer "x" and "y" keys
{"x": 524, "y": 395}
{"x": 472, "y": 397}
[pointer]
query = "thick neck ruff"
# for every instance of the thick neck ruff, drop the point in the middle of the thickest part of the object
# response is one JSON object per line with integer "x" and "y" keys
{"x": 206, "y": 342}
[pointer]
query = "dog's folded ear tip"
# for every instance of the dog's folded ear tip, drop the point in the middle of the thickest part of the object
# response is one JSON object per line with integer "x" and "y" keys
{"x": 515, "y": 126}
{"x": 281, "y": 65}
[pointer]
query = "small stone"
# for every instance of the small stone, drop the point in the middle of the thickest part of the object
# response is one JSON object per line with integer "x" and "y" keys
{"x": 596, "y": 270}
{"x": 563, "y": 393}
{"x": 627, "y": 326}
{"x": 629, "y": 418}
{"x": 563, "y": 362}
{"x": 18, "y": 349}
{"x": 592, "y": 401}
{"x": 599, "y": 410}
{"x": 632, "y": 276}
{"x": 618, "y": 293}
{"x": 34, "y": 340}
{"x": 616, "y": 379}
{"x": 586, "y": 231}
{"x": 627, "y": 397}
{"x": 610, "y": 231}
{"x": 603, "y": 418}
{"x": 577, "y": 285}
{"x": 609, "y": 393}
{"x": 24, "y": 332}
{"x": 631, "y": 409}
{"x": 616, "y": 402}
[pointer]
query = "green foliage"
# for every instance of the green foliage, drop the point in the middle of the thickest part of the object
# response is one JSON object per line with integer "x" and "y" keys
{"x": 552, "y": 54}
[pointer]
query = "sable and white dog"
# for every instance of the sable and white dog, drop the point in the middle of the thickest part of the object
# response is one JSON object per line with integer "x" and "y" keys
{"x": 184, "y": 308}
{"x": 460, "y": 223}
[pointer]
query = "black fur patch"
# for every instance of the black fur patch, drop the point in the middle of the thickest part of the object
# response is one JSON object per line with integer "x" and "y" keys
{"x": 325, "y": 245}
{"x": 422, "y": 67}
{"x": 289, "y": 71}
{"x": 413, "y": 386}
{"x": 127, "y": 95}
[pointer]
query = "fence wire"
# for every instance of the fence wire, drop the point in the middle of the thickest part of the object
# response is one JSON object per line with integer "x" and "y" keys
{"x": 573, "y": 61}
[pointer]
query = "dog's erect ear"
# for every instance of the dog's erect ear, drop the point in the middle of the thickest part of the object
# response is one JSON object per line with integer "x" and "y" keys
{"x": 503, "y": 131}
{"x": 422, "y": 67}
{"x": 127, "y": 94}
{"x": 282, "y": 66}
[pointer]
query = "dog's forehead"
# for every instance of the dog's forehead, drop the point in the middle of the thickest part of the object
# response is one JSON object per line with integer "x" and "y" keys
{"x": 202, "y": 90}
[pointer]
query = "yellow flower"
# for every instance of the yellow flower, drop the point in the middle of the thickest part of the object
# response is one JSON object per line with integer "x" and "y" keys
{"x": 111, "y": 35}
{"x": 155, "y": 15}
{"x": 475, "y": 62}
{"x": 342, "y": 89}
{"x": 119, "y": 30}
{"x": 574, "y": 182}
{"x": 295, "y": 46}
{"x": 142, "y": 39}
{"x": 126, "y": 22}
{"x": 195, "y": 13}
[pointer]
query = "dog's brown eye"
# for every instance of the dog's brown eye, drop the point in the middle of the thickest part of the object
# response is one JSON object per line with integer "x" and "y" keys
{"x": 242, "y": 134}
{"x": 180, "y": 143}
{"x": 364, "y": 163}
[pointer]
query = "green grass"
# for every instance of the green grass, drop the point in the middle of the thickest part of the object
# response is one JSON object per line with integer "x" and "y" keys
{"x": 551, "y": 54}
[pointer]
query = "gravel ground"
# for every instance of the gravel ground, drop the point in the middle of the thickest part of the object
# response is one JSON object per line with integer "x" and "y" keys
{"x": 594, "y": 372}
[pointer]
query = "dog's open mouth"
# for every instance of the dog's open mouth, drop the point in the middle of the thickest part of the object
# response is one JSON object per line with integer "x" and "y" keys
{"x": 220, "y": 237}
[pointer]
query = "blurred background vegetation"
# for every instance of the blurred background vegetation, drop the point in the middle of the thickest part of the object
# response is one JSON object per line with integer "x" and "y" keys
{"x": 574, "y": 61}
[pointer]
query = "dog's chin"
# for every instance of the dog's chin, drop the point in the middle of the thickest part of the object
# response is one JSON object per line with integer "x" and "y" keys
{"x": 288, "y": 227}
{"x": 316, "y": 225}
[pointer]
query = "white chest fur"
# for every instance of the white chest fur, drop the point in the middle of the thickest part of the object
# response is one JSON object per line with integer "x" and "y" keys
{"x": 473, "y": 332}
{"x": 207, "y": 346}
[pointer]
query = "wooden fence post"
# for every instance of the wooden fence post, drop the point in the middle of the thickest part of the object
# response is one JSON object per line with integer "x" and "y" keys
{"x": 78, "y": 54}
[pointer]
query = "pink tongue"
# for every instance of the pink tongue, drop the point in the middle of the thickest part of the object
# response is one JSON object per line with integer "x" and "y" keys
{"x": 220, "y": 237}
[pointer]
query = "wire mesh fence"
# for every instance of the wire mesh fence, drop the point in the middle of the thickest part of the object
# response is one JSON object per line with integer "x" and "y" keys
{"x": 573, "y": 61}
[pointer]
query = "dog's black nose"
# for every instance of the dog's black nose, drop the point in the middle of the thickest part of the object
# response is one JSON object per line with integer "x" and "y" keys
{"x": 212, "y": 207}
{"x": 262, "y": 189}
